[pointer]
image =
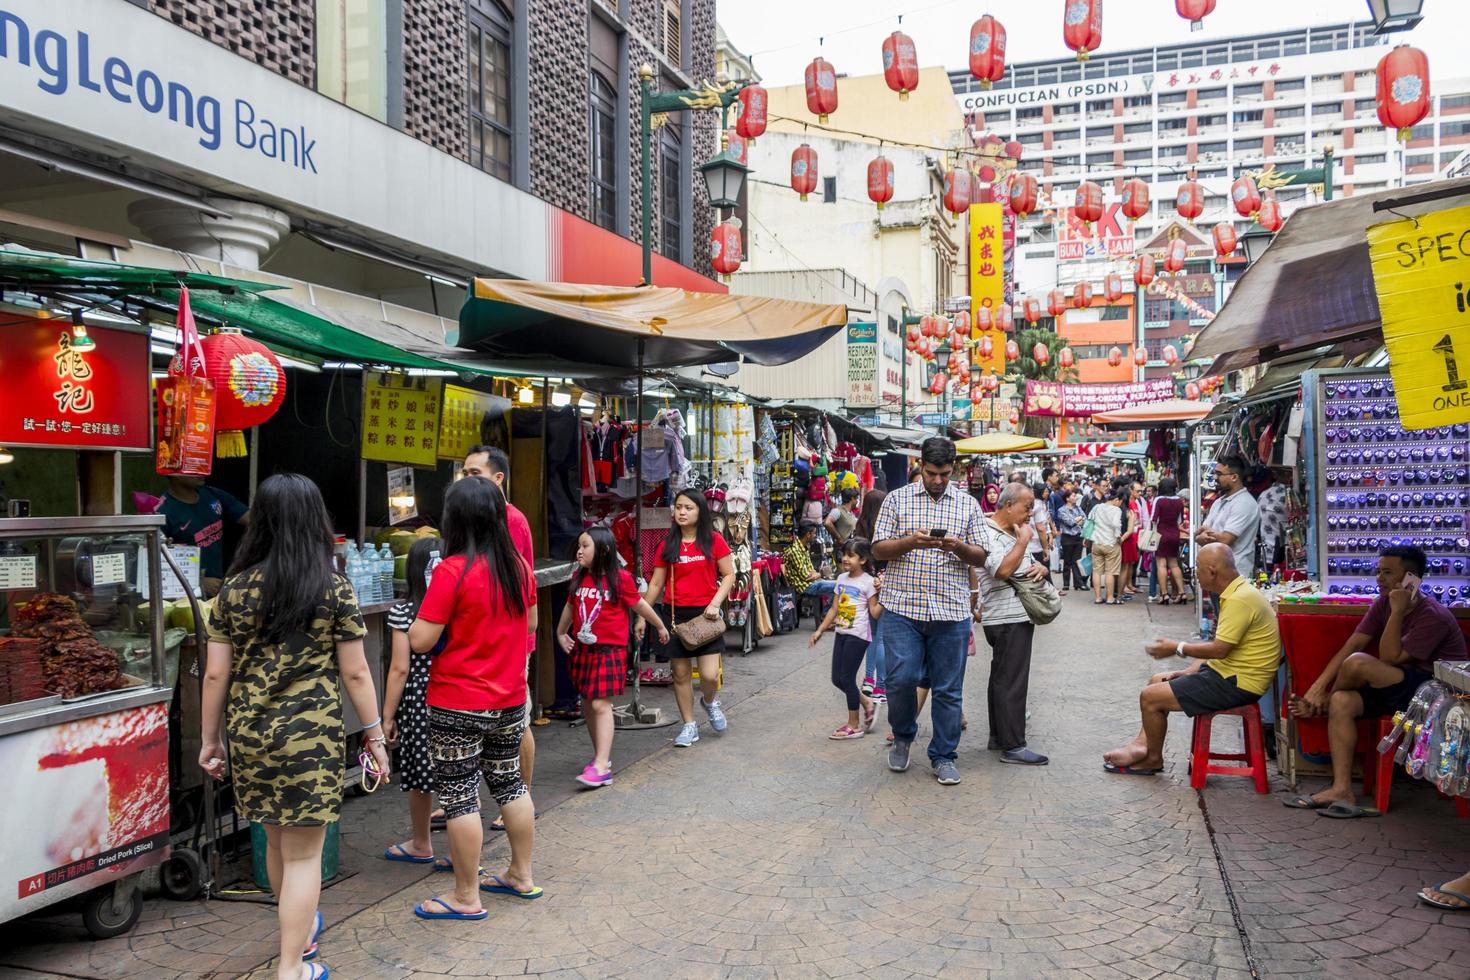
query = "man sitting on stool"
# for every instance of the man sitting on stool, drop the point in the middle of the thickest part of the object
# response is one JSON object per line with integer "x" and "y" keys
{"x": 1412, "y": 632}
{"x": 798, "y": 569}
{"x": 1232, "y": 670}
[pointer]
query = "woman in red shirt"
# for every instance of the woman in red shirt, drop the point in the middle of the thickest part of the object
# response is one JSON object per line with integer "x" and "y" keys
{"x": 484, "y": 593}
{"x": 696, "y": 566}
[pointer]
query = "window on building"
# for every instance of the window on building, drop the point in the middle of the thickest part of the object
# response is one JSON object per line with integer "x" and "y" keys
{"x": 1250, "y": 144}
{"x": 1157, "y": 309}
{"x": 1210, "y": 172}
{"x": 352, "y": 54}
{"x": 673, "y": 33}
{"x": 488, "y": 44}
{"x": 829, "y": 190}
{"x": 671, "y": 188}
{"x": 1363, "y": 160}
{"x": 1033, "y": 114}
{"x": 1217, "y": 119}
{"x": 1211, "y": 93}
{"x": 1115, "y": 313}
{"x": 1290, "y": 112}
{"x": 1031, "y": 139}
{"x": 1103, "y": 160}
{"x": 1070, "y": 109}
{"x": 1364, "y": 107}
{"x": 1447, "y": 130}
{"x": 1285, "y": 86}
{"x": 1254, "y": 90}
{"x": 1326, "y": 79}
{"x": 1063, "y": 135}
{"x": 1070, "y": 160}
{"x": 1191, "y": 58}
{"x": 1135, "y": 156}
{"x": 1293, "y": 46}
{"x": 1206, "y": 149}
{"x": 1450, "y": 102}
{"x": 1137, "y": 101}
{"x": 1174, "y": 99}
{"x": 1173, "y": 152}
{"x": 603, "y": 147}
{"x": 1419, "y": 160}
{"x": 1063, "y": 187}
{"x": 1423, "y": 131}
{"x": 1100, "y": 106}
{"x": 1173, "y": 125}
{"x": 1133, "y": 129}
{"x": 1291, "y": 194}
{"x": 1268, "y": 49}
{"x": 1217, "y": 56}
{"x": 1168, "y": 60}
{"x": 1244, "y": 117}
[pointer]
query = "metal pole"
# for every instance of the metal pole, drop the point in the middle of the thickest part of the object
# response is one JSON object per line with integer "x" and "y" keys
{"x": 1326, "y": 175}
{"x": 635, "y": 707}
{"x": 645, "y": 84}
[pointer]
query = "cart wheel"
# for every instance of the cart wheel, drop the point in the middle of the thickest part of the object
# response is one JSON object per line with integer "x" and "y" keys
{"x": 182, "y": 875}
{"x": 105, "y": 922}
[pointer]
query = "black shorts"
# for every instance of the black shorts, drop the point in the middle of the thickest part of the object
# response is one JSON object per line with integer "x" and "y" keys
{"x": 676, "y": 650}
{"x": 1379, "y": 701}
{"x": 1203, "y": 691}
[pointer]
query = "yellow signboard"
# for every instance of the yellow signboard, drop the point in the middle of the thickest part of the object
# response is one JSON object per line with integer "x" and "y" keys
{"x": 464, "y": 415}
{"x": 400, "y": 418}
{"x": 987, "y": 285}
{"x": 1421, "y": 268}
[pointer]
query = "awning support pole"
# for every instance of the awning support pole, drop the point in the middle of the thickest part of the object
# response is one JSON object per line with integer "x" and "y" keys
{"x": 635, "y": 707}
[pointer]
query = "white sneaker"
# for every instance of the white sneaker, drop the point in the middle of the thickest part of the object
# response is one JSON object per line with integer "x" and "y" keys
{"x": 687, "y": 736}
{"x": 716, "y": 714}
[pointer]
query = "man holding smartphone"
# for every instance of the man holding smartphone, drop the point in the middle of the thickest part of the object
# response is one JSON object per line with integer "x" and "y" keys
{"x": 1412, "y": 631}
{"x": 930, "y": 533}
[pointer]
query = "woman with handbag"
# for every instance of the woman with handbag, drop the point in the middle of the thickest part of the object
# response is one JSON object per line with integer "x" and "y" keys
{"x": 1168, "y": 520}
{"x": 696, "y": 567}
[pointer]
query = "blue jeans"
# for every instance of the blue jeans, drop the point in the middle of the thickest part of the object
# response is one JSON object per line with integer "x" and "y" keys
{"x": 822, "y": 586}
{"x": 876, "y": 658}
{"x": 919, "y": 649}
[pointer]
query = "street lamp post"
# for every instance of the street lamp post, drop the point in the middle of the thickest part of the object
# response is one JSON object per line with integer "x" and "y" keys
{"x": 906, "y": 320}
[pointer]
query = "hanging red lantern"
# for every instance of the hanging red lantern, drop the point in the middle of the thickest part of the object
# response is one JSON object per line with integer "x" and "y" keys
{"x": 1171, "y": 356}
{"x": 249, "y": 385}
{"x": 1143, "y": 270}
{"x": 1190, "y": 200}
{"x": 987, "y": 174}
{"x": 1245, "y": 196}
{"x": 1174, "y": 255}
{"x": 1194, "y": 11}
{"x": 804, "y": 170}
{"x": 1031, "y": 311}
{"x": 1056, "y": 303}
{"x": 1115, "y": 357}
{"x": 1082, "y": 295}
{"x": 1191, "y": 391}
{"x": 1140, "y": 356}
{"x": 962, "y": 323}
{"x": 1005, "y": 318}
{"x": 990, "y": 383}
{"x": 1082, "y": 26}
{"x": 911, "y": 342}
{"x": 739, "y": 147}
{"x": 1013, "y": 149}
{"x": 984, "y": 321}
{"x": 1224, "y": 236}
{"x": 1065, "y": 357}
{"x": 880, "y": 181}
{"x": 985, "y": 347}
{"x": 1112, "y": 287}
{"x": 1015, "y": 418}
{"x": 724, "y": 247}
{"x": 1269, "y": 216}
{"x": 1403, "y": 89}
{"x": 953, "y": 363}
{"x": 1023, "y": 194}
{"x": 987, "y": 51}
{"x": 937, "y": 385}
{"x": 1013, "y": 351}
{"x": 958, "y": 191}
{"x": 1088, "y": 204}
{"x": 900, "y": 64}
{"x": 1135, "y": 198}
{"x": 926, "y": 325}
{"x": 1041, "y": 354}
{"x": 977, "y": 396}
{"x": 821, "y": 89}
{"x": 750, "y": 118}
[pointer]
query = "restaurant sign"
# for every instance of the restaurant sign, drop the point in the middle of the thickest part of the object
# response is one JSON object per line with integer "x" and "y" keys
{"x": 61, "y": 396}
{"x": 1080, "y": 400}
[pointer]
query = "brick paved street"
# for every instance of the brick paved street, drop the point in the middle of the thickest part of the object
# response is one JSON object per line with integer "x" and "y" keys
{"x": 773, "y": 852}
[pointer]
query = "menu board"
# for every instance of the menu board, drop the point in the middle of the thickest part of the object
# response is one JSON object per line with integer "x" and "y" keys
{"x": 17, "y": 572}
{"x": 464, "y": 415}
{"x": 400, "y": 418}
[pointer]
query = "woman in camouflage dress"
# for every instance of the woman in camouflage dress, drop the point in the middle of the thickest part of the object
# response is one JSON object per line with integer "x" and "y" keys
{"x": 283, "y": 630}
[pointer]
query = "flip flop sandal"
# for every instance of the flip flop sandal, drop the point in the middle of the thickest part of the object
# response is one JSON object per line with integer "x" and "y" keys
{"x": 1427, "y": 900}
{"x": 1304, "y": 803}
{"x": 398, "y": 852}
{"x": 317, "y": 971}
{"x": 845, "y": 732}
{"x": 316, "y": 931}
{"x": 445, "y": 864}
{"x": 449, "y": 912}
{"x": 1129, "y": 770}
{"x": 498, "y": 825}
{"x": 1347, "y": 811}
{"x": 501, "y": 888}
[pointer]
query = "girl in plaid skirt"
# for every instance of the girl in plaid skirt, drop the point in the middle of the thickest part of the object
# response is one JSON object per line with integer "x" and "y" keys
{"x": 593, "y": 630}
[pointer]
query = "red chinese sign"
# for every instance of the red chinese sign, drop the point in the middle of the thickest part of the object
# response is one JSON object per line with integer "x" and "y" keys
{"x": 1082, "y": 400}
{"x": 59, "y": 396}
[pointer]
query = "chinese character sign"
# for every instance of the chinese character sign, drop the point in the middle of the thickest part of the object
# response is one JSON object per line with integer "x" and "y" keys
{"x": 987, "y": 283}
{"x": 400, "y": 418}
{"x": 1110, "y": 237}
{"x": 59, "y": 396}
{"x": 1085, "y": 400}
{"x": 462, "y": 419}
{"x": 862, "y": 365}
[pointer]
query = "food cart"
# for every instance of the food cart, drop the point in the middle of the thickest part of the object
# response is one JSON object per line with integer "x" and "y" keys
{"x": 85, "y": 685}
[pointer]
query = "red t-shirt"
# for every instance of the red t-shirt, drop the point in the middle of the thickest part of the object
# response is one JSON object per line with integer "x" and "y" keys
{"x": 695, "y": 579}
{"x": 483, "y": 664}
{"x": 610, "y": 622}
{"x": 520, "y": 536}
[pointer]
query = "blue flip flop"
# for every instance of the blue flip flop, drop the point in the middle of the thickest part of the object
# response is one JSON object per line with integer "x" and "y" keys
{"x": 313, "y": 969}
{"x": 449, "y": 912}
{"x": 316, "y": 931}
{"x": 1424, "y": 897}
{"x": 501, "y": 888}
{"x": 398, "y": 852}
{"x": 447, "y": 865}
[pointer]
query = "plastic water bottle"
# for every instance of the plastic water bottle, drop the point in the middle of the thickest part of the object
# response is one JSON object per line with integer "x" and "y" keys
{"x": 367, "y": 567}
{"x": 385, "y": 573}
{"x": 354, "y": 571}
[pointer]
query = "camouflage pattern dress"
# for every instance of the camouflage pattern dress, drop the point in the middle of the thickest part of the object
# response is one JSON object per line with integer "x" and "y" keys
{"x": 284, "y": 717}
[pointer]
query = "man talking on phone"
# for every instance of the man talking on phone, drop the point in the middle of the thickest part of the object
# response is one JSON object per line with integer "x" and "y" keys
{"x": 1412, "y": 631}
{"x": 930, "y": 533}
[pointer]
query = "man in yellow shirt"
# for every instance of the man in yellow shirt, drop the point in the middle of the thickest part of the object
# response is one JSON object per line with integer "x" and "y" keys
{"x": 1231, "y": 671}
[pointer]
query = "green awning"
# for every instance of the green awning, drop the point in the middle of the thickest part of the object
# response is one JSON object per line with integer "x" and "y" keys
{"x": 43, "y": 272}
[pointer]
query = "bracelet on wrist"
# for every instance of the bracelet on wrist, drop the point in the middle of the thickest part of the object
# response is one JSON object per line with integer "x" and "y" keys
{"x": 379, "y": 739}
{"x": 373, "y": 724}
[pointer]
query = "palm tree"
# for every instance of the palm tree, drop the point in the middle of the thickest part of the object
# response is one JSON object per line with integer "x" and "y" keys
{"x": 1028, "y": 369}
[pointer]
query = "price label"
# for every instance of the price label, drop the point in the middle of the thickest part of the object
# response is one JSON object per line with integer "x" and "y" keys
{"x": 17, "y": 572}
{"x": 109, "y": 569}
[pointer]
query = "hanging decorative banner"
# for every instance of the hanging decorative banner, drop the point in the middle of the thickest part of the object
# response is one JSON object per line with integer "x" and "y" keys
{"x": 1106, "y": 236}
{"x": 862, "y": 365}
{"x": 987, "y": 283}
{"x": 1079, "y": 400}
{"x": 400, "y": 418}
{"x": 1419, "y": 272}
{"x": 464, "y": 414}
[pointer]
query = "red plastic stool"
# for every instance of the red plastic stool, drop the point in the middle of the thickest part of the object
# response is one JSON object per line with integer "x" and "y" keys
{"x": 1200, "y": 756}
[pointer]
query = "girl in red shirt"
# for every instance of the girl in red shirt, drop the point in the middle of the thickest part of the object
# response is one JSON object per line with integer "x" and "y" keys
{"x": 696, "y": 566}
{"x": 484, "y": 593}
{"x": 593, "y": 630}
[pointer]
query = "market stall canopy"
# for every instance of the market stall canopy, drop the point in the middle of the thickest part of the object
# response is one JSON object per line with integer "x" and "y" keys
{"x": 1152, "y": 415}
{"x": 1314, "y": 284}
{"x": 999, "y": 442}
{"x": 43, "y": 272}
{"x": 1128, "y": 450}
{"x": 516, "y": 320}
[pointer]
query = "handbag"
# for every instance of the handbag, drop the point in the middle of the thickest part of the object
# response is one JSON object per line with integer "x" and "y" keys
{"x": 697, "y": 632}
{"x": 1039, "y": 598}
{"x": 1148, "y": 539}
{"x": 1089, "y": 527}
{"x": 1086, "y": 565}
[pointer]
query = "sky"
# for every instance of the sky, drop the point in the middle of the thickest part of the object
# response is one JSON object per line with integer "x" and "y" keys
{"x": 783, "y": 35}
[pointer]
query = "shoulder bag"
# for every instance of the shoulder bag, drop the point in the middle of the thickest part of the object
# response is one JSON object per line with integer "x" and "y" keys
{"x": 697, "y": 632}
{"x": 1038, "y": 597}
{"x": 1089, "y": 526}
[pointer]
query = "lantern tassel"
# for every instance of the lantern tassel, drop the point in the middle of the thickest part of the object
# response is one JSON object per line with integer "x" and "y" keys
{"x": 230, "y": 444}
{"x": 1404, "y": 134}
{"x": 903, "y": 96}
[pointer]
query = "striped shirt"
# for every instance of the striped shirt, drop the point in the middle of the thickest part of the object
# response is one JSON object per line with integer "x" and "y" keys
{"x": 928, "y": 584}
{"x": 999, "y": 603}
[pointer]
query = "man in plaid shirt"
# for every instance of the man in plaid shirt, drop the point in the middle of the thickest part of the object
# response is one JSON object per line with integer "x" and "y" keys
{"x": 930, "y": 533}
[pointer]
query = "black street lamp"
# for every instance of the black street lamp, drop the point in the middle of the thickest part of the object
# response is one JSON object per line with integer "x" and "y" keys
{"x": 1256, "y": 241}
{"x": 724, "y": 176}
{"x": 1395, "y": 15}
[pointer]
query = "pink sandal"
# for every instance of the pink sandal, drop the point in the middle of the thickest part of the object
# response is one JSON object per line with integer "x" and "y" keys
{"x": 845, "y": 732}
{"x": 870, "y": 715}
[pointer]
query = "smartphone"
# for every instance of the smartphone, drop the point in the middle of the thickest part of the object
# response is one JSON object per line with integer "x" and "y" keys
{"x": 1412, "y": 583}
{"x": 936, "y": 532}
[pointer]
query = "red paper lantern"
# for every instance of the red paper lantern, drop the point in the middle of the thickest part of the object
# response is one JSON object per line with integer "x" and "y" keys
{"x": 1190, "y": 201}
{"x": 1115, "y": 357}
{"x": 821, "y": 89}
{"x": 750, "y": 118}
{"x": 1013, "y": 149}
{"x": 1143, "y": 270}
{"x": 1031, "y": 310}
{"x": 1023, "y": 194}
{"x": 988, "y": 51}
{"x": 1174, "y": 255}
{"x": 1005, "y": 318}
{"x": 1140, "y": 356}
{"x": 1088, "y": 204}
{"x": 937, "y": 385}
{"x": 804, "y": 170}
{"x": 249, "y": 385}
{"x": 1191, "y": 391}
{"x": 1082, "y": 26}
{"x": 739, "y": 147}
{"x": 1065, "y": 357}
{"x": 990, "y": 383}
{"x": 724, "y": 247}
{"x": 1112, "y": 287}
{"x": 880, "y": 181}
{"x": 1135, "y": 198}
{"x": 1013, "y": 351}
{"x": 1056, "y": 303}
{"x": 1040, "y": 353}
{"x": 1224, "y": 236}
{"x": 1403, "y": 89}
{"x": 977, "y": 395}
{"x": 926, "y": 325}
{"x": 1015, "y": 418}
{"x": 1194, "y": 11}
{"x": 984, "y": 321}
{"x": 900, "y": 64}
{"x": 962, "y": 323}
{"x": 1269, "y": 216}
{"x": 1171, "y": 356}
{"x": 958, "y": 191}
{"x": 985, "y": 346}
{"x": 1082, "y": 295}
{"x": 1245, "y": 196}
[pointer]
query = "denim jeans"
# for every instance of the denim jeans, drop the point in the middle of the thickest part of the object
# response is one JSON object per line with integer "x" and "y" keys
{"x": 822, "y": 586}
{"x": 934, "y": 650}
{"x": 876, "y": 658}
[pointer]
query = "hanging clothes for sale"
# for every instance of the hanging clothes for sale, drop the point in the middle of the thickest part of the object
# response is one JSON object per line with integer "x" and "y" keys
{"x": 660, "y": 451}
